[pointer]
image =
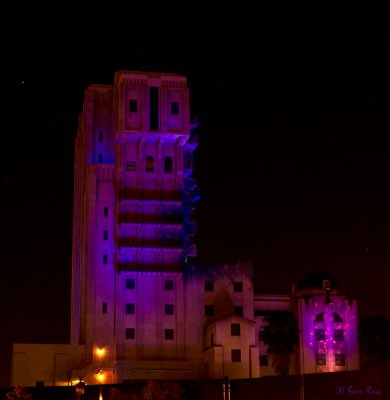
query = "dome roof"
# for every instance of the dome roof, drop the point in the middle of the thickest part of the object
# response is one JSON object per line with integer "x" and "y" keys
{"x": 314, "y": 281}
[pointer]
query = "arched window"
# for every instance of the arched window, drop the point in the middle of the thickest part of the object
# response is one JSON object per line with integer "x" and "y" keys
{"x": 168, "y": 165}
{"x": 149, "y": 166}
{"x": 319, "y": 317}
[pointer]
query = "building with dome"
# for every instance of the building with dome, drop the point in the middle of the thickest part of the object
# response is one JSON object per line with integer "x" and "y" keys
{"x": 142, "y": 305}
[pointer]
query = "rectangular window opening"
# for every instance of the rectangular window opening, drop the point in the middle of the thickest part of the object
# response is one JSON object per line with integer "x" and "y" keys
{"x": 236, "y": 355}
{"x": 130, "y": 283}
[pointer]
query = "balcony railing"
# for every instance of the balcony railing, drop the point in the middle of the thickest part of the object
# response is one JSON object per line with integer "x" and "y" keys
{"x": 159, "y": 243}
{"x": 144, "y": 194}
{"x": 139, "y": 218}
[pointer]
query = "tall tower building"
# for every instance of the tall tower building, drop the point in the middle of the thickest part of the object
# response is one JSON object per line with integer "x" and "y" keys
{"x": 142, "y": 307}
{"x": 132, "y": 224}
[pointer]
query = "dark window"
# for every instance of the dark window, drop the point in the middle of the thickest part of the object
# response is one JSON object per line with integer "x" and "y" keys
{"x": 338, "y": 335}
{"x": 39, "y": 383}
{"x": 339, "y": 359}
{"x": 104, "y": 308}
{"x": 130, "y": 308}
{"x": 105, "y": 235}
{"x": 106, "y": 211}
{"x": 337, "y": 317}
{"x": 238, "y": 310}
{"x": 235, "y": 329}
{"x": 130, "y": 333}
{"x": 174, "y": 107}
{"x": 321, "y": 359}
{"x": 168, "y": 165}
{"x": 208, "y": 310}
{"x": 154, "y": 108}
{"x": 319, "y": 334}
{"x": 169, "y": 334}
{"x": 105, "y": 259}
{"x": 100, "y": 158}
{"x": 319, "y": 317}
{"x": 236, "y": 355}
{"x": 133, "y": 106}
{"x": 263, "y": 360}
{"x": 149, "y": 166}
{"x": 130, "y": 283}
{"x": 209, "y": 286}
{"x": 168, "y": 284}
{"x": 168, "y": 309}
{"x": 100, "y": 136}
{"x": 130, "y": 166}
{"x": 237, "y": 286}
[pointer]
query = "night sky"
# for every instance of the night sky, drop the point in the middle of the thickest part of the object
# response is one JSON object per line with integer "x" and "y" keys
{"x": 293, "y": 163}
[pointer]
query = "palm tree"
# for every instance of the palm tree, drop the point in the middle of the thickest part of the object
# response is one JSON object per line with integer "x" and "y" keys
{"x": 281, "y": 334}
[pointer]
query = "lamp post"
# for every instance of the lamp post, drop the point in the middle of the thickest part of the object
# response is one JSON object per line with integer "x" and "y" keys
{"x": 79, "y": 388}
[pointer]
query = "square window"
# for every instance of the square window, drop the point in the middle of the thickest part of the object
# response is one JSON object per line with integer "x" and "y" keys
{"x": 168, "y": 309}
{"x": 238, "y": 310}
{"x": 338, "y": 335}
{"x": 209, "y": 286}
{"x": 319, "y": 317}
{"x": 319, "y": 334}
{"x": 174, "y": 107}
{"x": 235, "y": 329}
{"x": 237, "y": 286}
{"x": 340, "y": 360}
{"x": 337, "y": 317}
{"x": 130, "y": 308}
{"x": 105, "y": 235}
{"x": 105, "y": 259}
{"x": 168, "y": 284}
{"x": 263, "y": 361}
{"x": 236, "y": 355}
{"x": 104, "y": 308}
{"x": 321, "y": 359}
{"x": 169, "y": 334}
{"x": 133, "y": 106}
{"x": 130, "y": 283}
{"x": 39, "y": 383}
{"x": 130, "y": 333}
{"x": 208, "y": 310}
{"x": 130, "y": 166}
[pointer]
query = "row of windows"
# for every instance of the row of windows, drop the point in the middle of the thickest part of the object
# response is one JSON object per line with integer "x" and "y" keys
{"x": 339, "y": 359}
{"x": 133, "y": 106}
{"x": 169, "y": 334}
{"x": 210, "y": 311}
{"x": 336, "y": 317}
{"x": 209, "y": 286}
{"x": 149, "y": 165}
{"x": 338, "y": 335}
{"x": 169, "y": 310}
{"x": 169, "y": 284}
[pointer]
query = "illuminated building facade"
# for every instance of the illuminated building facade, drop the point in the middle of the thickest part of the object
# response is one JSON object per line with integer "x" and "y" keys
{"x": 142, "y": 306}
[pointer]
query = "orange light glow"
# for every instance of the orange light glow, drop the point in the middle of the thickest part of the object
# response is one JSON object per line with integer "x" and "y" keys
{"x": 100, "y": 376}
{"x": 100, "y": 351}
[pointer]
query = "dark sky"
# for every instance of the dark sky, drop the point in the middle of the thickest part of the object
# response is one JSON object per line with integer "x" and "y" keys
{"x": 293, "y": 163}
